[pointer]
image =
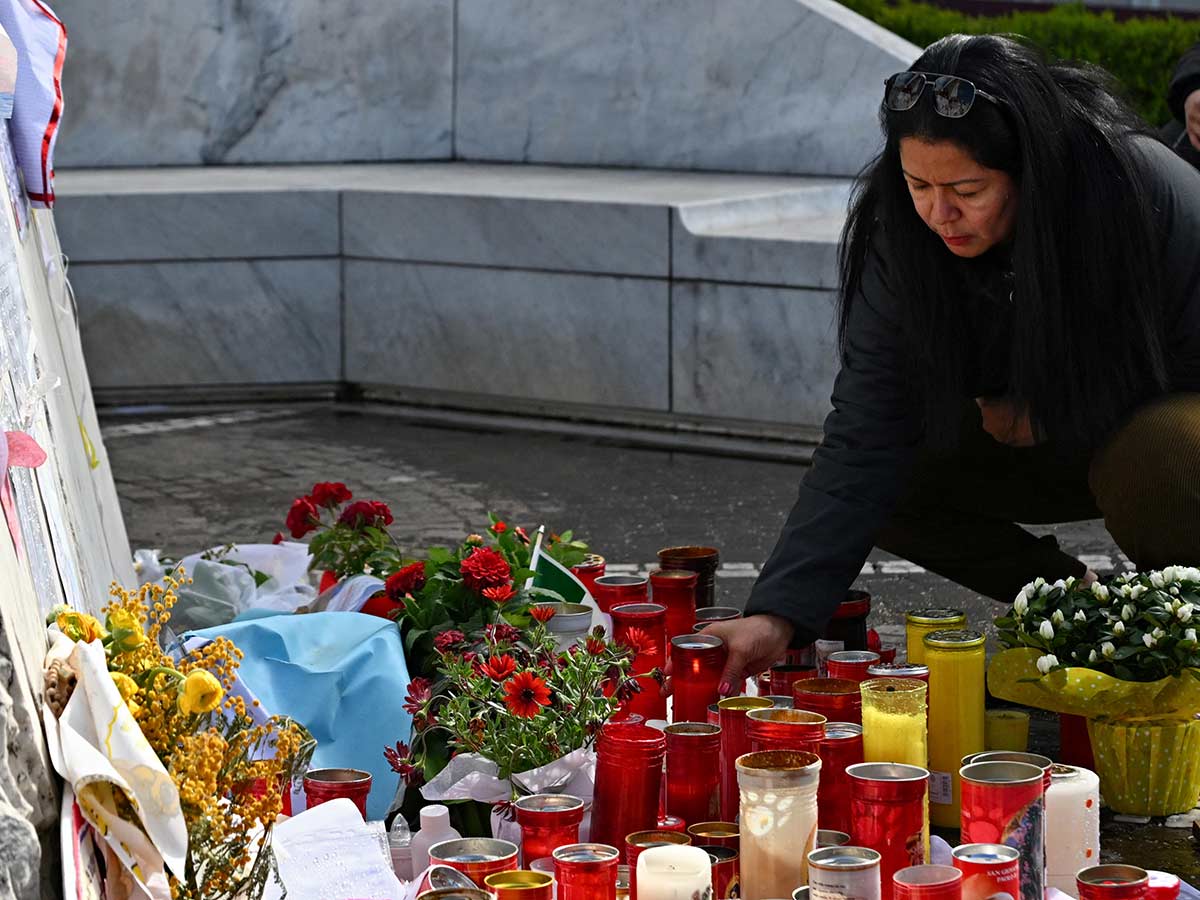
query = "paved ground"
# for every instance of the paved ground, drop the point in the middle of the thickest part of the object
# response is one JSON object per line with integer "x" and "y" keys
{"x": 189, "y": 482}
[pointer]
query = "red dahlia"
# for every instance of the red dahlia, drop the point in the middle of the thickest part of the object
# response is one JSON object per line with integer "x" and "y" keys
{"x": 408, "y": 580}
{"x": 362, "y": 513}
{"x": 485, "y": 568}
{"x": 303, "y": 517}
{"x": 525, "y": 695}
{"x": 330, "y": 493}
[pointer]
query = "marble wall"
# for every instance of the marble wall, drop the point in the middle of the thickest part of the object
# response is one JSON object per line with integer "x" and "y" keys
{"x": 748, "y": 86}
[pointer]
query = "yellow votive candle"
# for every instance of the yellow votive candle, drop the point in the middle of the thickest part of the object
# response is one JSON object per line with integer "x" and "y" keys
{"x": 957, "y": 662}
{"x": 1007, "y": 729}
{"x": 893, "y": 720}
{"x": 920, "y": 622}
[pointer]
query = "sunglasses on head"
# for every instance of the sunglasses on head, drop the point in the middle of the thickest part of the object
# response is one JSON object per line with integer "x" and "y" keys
{"x": 953, "y": 97}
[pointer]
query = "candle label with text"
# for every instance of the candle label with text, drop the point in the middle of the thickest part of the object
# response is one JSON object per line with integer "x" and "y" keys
{"x": 941, "y": 787}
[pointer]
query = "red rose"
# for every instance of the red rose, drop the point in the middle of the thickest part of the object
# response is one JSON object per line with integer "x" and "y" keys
{"x": 408, "y": 580}
{"x": 499, "y": 528}
{"x": 485, "y": 568}
{"x": 330, "y": 494}
{"x": 366, "y": 512}
{"x": 302, "y": 517}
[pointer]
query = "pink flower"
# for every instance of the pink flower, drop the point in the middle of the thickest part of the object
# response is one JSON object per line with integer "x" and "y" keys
{"x": 420, "y": 690}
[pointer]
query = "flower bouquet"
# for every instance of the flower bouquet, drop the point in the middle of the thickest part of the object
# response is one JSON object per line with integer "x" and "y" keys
{"x": 510, "y": 714}
{"x": 1124, "y": 655}
{"x": 184, "y": 778}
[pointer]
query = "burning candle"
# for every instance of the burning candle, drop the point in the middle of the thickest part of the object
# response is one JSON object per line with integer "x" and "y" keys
{"x": 323, "y": 785}
{"x": 894, "y": 726}
{"x": 1113, "y": 883}
{"x": 837, "y": 699}
{"x": 851, "y": 664}
{"x": 674, "y": 873}
{"x": 841, "y": 748}
{"x": 547, "y": 821}
{"x": 1006, "y": 729}
{"x": 784, "y": 729}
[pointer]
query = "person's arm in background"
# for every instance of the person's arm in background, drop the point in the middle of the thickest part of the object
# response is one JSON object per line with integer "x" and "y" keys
{"x": 1183, "y": 95}
{"x": 845, "y": 499}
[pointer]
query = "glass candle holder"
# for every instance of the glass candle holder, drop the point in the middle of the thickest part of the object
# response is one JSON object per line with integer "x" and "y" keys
{"x": 726, "y": 880}
{"x": 888, "y": 815}
{"x": 778, "y": 820}
{"x": 586, "y": 872}
{"x": 837, "y": 699}
{"x": 675, "y": 589}
{"x": 323, "y": 785}
{"x": 784, "y": 729}
{"x": 894, "y": 721}
{"x": 1006, "y": 729}
{"x": 613, "y": 590}
{"x": 644, "y": 626}
{"x": 547, "y": 821}
{"x": 693, "y": 771}
{"x": 592, "y": 567}
{"x": 851, "y": 664}
{"x": 841, "y": 748}
{"x": 734, "y": 742}
{"x": 697, "y": 662}
{"x": 672, "y": 873}
{"x": 629, "y": 765}
{"x": 477, "y": 858}
{"x": 715, "y": 834}
{"x": 1005, "y": 803}
{"x": 521, "y": 885}
{"x": 704, "y": 561}
{"x": 1113, "y": 883}
{"x": 956, "y": 702}
{"x": 710, "y": 614}
{"x": 1073, "y": 817}
{"x": 785, "y": 675}
{"x": 638, "y": 841}
{"x": 920, "y": 622}
{"x": 927, "y": 883}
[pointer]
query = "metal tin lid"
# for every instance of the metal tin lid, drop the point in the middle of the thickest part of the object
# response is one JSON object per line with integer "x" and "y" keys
{"x": 844, "y": 859}
{"x": 842, "y": 731}
{"x": 585, "y": 853}
{"x": 696, "y": 642}
{"x": 935, "y": 616}
{"x": 854, "y": 656}
{"x": 983, "y": 853}
{"x": 963, "y": 639}
{"x": 898, "y": 670}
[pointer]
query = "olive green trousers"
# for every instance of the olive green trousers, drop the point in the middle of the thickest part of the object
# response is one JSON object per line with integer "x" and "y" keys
{"x": 961, "y": 513}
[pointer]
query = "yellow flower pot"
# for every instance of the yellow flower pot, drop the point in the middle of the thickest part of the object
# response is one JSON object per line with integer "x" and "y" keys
{"x": 1147, "y": 767}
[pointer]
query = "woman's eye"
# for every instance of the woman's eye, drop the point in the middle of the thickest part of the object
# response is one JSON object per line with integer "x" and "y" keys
{"x": 917, "y": 187}
{"x": 971, "y": 194}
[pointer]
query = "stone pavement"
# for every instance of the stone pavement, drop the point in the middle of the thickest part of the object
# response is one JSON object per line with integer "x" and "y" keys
{"x": 189, "y": 481}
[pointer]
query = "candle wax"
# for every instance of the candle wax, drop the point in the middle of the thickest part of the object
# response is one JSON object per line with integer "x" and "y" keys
{"x": 894, "y": 737}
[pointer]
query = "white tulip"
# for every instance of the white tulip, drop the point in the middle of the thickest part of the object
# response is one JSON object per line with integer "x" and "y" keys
{"x": 1058, "y": 618}
{"x": 1046, "y": 630}
{"x": 1080, "y": 616}
{"x": 1060, "y": 584}
{"x": 1100, "y": 592}
{"x": 1030, "y": 591}
{"x": 1118, "y": 628}
{"x": 1092, "y": 657}
{"x": 1159, "y": 634}
{"x": 1046, "y": 663}
{"x": 1174, "y": 591}
{"x": 1126, "y": 591}
{"x": 1138, "y": 590}
{"x": 1189, "y": 573}
{"x": 1020, "y": 606}
{"x": 1045, "y": 589}
{"x": 1156, "y": 579}
{"x": 1108, "y": 649}
{"x": 1170, "y": 574}
{"x": 1184, "y": 613}
{"x": 1128, "y": 611}
{"x": 1190, "y": 635}
{"x": 1070, "y": 583}
{"x": 1149, "y": 640}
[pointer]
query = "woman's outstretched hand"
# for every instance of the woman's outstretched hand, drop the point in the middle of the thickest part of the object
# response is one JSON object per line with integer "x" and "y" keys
{"x": 753, "y": 644}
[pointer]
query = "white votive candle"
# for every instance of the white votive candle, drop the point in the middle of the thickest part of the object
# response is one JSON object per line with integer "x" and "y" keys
{"x": 674, "y": 872}
{"x": 1072, "y": 826}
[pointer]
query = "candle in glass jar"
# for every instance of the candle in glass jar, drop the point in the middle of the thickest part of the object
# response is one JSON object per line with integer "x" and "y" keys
{"x": 697, "y": 663}
{"x": 674, "y": 873}
{"x": 957, "y": 665}
{"x": 894, "y": 726}
{"x": 778, "y": 820}
{"x": 920, "y": 622}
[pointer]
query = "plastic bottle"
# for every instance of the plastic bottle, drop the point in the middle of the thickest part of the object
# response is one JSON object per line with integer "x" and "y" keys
{"x": 435, "y": 828}
{"x": 400, "y": 847}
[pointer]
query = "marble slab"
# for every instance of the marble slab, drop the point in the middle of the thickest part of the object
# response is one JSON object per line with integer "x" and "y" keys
{"x": 601, "y": 237}
{"x": 745, "y": 352}
{"x": 751, "y": 86}
{"x": 198, "y": 225}
{"x": 195, "y": 323}
{"x": 536, "y": 335}
{"x": 214, "y": 81}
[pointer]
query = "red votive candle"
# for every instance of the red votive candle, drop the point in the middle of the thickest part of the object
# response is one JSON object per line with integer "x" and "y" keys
{"x": 713, "y": 714}
{"x": 704, "y": 561}
{"x": 613, "y": 590}
{"x": 927, "y": 883}
{"x": 676, "y": 590}
{"x": 643, "y": 626}
{"x": 725, "y": 876}
{"x": 548, "y": 821}
{"x": 840, "y": 748}
{"x": 784, "y": 677}
{"x": 629, "y": 766}
{"x": 734, "y": 743}
{"x": 697, "y": 662}
{"x": 693, "y": 771}
{"x": 592, "y": 567}
{"x": 837, "y": 699}
{"x": 888, "y": 815}
{"x": 586, "y": 872}
{"x": 477, "y": 858}
{"x": 642, "y": 840}
{"x": 323, "y": 785}
{"x": 784, "y": 729}
{"x": 1113, "y": 882}
{"x": 851, "y": 665}
{"x": 706, "y": 617}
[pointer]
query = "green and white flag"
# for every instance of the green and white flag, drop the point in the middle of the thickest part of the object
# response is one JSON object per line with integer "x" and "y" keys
{"x": 552, "y": 575}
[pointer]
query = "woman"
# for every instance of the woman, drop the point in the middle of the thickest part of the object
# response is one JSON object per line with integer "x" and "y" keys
{"x": 1020, "y": 340}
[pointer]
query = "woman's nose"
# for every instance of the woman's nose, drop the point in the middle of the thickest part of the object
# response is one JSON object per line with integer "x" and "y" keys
{"x": 944, "y": 209}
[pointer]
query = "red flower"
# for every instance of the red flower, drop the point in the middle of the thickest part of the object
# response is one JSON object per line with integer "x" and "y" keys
{"x": 525, "y": 695}
{"x": 542, "y": 613}
{"x": 408, "y": 580}
{"x": 627, "y": 689}
{"x": 448, "y": 640}
{"x": 485, "y": 568}
{"x": 639, "y": 641}
{"x": 502, "y": 634}
{"x": 522, "y": 535}
{"x": 419, "y": 692}
{"x": 500, "y": 594}
{"x": 499, "y": 667}
{"x": 330, "y": 494}
{"x": 595, "y": 646}
{"x": 401, "y": 761}
{"x": 499, "y": 528}
{"x": 366, "y": 512}
{"x": 278, "y": 539}
{"x": 302, "y": 517}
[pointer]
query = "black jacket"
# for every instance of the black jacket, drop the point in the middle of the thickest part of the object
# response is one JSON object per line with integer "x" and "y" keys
{"x": 873, "y": 433}
{"x": 1185, "y": 79}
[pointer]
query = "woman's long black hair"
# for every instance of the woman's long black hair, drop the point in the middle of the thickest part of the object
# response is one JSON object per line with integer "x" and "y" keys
{"x": 1087, "y": 341}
